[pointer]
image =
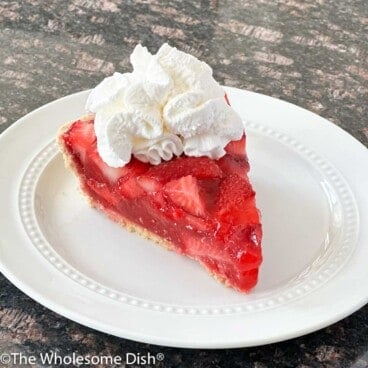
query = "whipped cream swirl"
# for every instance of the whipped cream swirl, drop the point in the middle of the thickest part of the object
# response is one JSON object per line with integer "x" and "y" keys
{"x": 168, "y": 105}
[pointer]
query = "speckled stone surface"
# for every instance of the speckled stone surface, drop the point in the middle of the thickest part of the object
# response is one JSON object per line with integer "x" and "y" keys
{"x": 313, "y": 53}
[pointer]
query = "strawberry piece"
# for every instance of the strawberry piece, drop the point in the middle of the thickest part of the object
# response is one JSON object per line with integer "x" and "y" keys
{"x": 198, "y": 247}
{"x": 80, "y": 137}
{"x": 99, "y": 169}
{"x": 236, "y": 148}
{"x": 199, "y": 167}
{"x": 245, "y": 249}
{"x": 197, "y": 223}
{"x": 184, "y": 192}
{"x": 129, "y": 188}
{"x": 232, "y": 165}
{"x": 235, "y": 201}
{"x": 165, "y": 206}
{"x": 82, "y": 133}
{"x": 149, "y": 184}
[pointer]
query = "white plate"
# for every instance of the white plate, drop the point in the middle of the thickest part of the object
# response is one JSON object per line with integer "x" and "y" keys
{"x": 311, "y": 179}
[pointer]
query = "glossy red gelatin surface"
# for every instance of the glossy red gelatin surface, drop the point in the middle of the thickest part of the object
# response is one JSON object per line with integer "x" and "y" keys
{"x": 204, "y": 208}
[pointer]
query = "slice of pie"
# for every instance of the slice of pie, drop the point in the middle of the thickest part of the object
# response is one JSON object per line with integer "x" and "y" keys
{"x": 163, "y": 153}
{"x": 198, "y": 207}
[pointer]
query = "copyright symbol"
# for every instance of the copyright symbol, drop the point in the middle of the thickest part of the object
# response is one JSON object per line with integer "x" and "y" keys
{"x": 5, "y": 358}
{"x": 160, "y": 357}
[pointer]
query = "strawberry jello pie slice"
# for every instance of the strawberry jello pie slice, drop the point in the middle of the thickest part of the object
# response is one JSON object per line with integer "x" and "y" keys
{"x": 161, "y": 152}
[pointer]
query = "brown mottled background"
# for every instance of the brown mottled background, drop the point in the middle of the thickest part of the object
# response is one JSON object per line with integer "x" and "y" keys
{"x": 313, "y": 53}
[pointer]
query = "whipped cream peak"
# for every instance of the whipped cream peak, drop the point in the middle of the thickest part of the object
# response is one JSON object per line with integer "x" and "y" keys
{"x": 107, "y": 91}
{"x": 168, "y": 105}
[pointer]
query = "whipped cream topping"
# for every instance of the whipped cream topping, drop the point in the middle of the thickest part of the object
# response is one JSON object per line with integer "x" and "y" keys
{"x": 168, "y": 105}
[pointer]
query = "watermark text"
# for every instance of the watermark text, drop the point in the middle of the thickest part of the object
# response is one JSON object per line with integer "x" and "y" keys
{"x": 54, "y": 359}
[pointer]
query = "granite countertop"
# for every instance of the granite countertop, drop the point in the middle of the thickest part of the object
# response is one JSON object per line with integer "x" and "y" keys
{"x": 310, "y": 52}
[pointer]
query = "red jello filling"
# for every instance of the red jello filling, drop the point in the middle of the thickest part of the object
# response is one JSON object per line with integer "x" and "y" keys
{"x": 203, "y": 208}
